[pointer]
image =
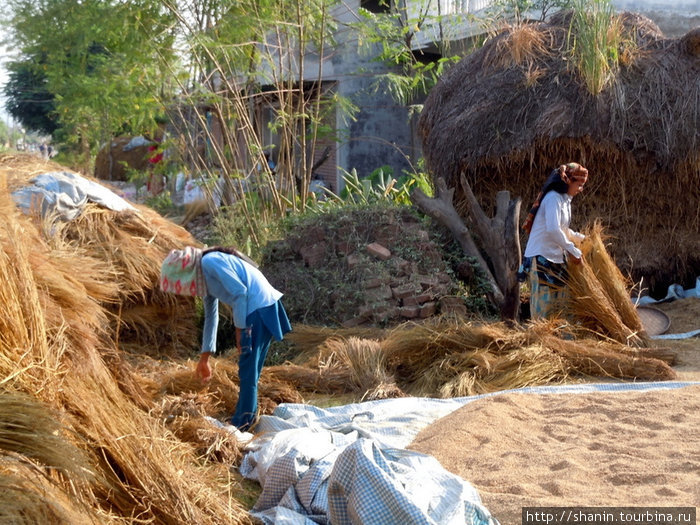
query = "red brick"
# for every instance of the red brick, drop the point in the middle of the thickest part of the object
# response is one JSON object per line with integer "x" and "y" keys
{"x": 405, "y": 290}
{"x": 313, "y": 255}
{"x": 379, "y": 251}
{"x": 409, "y": 312}
{"x": 352, "y": 260}
{"x": 402, "y": 266}
{"x": 426, "y": 281}
{"x": 381, "y": 293}
{"x": 453, "y": 305}
{"x": 416, "y": 299}
{"x": 427, "y": 310}
{"x": 373, "y": 283}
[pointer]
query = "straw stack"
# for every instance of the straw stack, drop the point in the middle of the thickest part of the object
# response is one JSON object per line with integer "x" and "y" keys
{"x": 445, "y": 357}
{"x": 121, "y": 252}
{"x": 54, "y": 337}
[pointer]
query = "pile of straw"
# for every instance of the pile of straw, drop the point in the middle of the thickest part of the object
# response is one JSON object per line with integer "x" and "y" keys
{"x": 57, "y": 347}
{"x": 450, "y": 358}
{"x": 185, "y": 415}
{"x": 121, "y": 252}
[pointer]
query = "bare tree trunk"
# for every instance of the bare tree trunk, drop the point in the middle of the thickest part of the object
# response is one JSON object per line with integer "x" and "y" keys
{"x": 499, "y": 236}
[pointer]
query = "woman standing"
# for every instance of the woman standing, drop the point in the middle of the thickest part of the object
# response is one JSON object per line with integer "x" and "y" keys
{"x": 551, "y": 241}
{"x": 258, "y": 315}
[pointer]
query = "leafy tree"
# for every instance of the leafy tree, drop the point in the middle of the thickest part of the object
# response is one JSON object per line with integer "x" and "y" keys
{"x": 389, "y": 36}
{"x": 27, "y": 99}
{"x": 98, "y": 60}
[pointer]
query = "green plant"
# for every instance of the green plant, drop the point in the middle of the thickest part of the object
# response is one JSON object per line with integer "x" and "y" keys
{"x": 162, "y": 203}
{"x": 246, "y": 224}
{"x": 379, "y": 186}
{"x": 390, "y": 36}
{"x": 594, "y": 41}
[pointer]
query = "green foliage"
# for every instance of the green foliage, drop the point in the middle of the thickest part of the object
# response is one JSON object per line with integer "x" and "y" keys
{"x": 96, "y": 62}
{"x": 595, "y": 40}
{"x": 388, "y": 38}
{"x": 27, "y": 99}
{"x": 162, "y": 203}
{"x": 380, "y": 186}
{"x": 246, "y": 224}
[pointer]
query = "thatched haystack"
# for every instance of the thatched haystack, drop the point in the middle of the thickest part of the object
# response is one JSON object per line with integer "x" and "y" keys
{"x": 514, "y": 109}
{"x": 121, "y": 252}
{"x": 58, "y": 348}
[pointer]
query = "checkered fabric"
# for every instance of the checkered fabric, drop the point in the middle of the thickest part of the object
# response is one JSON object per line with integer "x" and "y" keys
{"x": 347, "y": 464}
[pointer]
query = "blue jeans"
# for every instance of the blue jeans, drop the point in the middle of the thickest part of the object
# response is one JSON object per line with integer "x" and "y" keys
{"x": 255, "y": 342}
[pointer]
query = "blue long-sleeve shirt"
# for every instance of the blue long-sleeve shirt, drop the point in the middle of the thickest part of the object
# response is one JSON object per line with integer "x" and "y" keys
{"x": 236, "y": 283}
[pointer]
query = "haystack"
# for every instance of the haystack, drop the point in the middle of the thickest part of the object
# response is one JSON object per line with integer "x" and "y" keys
{"x": 510, "y": 112}
{"x": 58, "y": 348}
{"x": 120, "y": 155}
{"x": 121, "y": 252}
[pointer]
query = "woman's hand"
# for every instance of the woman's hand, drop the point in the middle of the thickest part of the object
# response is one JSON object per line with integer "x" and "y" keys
{"x": 203, "y": 370}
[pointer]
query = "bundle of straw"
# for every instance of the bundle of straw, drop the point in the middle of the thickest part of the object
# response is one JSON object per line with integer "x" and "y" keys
{"x": 30, "y": 495}
{"x": 309, "y": 338}
{"x": 600, "y": 361}
{"x": 599, "y": 298}
{"x": 308, "y": 378}
{"x": 120, "y": 254}
{"x": 615, "y": 285}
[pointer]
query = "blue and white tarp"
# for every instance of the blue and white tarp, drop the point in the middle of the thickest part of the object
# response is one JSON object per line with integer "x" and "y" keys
{"x": 66, "y": 194}
{"x": 347, "y": 464}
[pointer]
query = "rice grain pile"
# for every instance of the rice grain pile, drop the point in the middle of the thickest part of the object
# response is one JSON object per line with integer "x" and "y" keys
{"x": 628, "y": 449}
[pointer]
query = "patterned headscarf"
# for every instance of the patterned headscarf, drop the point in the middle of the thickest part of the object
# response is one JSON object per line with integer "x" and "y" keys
{"x": 181, "y": 273}
{"x": 566, "y": 173}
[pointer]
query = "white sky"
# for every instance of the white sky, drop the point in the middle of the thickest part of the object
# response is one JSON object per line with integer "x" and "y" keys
{"x": 3, "y": 78}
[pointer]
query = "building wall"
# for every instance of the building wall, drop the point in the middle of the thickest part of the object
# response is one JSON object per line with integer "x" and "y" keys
{"x": 380, "y": 134}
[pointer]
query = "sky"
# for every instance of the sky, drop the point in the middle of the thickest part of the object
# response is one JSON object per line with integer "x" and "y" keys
{"x": 3, "y": 79}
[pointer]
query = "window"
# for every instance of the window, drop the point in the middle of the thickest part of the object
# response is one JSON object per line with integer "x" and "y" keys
{"x": 376, "y": 6}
